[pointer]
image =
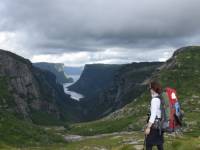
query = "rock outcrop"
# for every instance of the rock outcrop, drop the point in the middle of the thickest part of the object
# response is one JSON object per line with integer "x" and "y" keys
{"x": 107, "y": 88}
{"x": 57, "y": 69}
{"x": 29, "y": 92}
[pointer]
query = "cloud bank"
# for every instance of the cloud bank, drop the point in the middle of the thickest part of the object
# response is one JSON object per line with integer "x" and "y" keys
{"x": 108, "y": 31}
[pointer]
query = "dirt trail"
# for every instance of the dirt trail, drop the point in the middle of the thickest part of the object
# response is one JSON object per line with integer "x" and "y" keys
{"x": 73, "y": 138}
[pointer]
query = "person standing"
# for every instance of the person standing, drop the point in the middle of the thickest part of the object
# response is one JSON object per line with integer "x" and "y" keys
{"x": 153, "y": 134}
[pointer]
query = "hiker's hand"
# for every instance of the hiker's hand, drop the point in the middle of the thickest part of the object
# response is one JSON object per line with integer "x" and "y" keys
{"x": 147, "y": 131}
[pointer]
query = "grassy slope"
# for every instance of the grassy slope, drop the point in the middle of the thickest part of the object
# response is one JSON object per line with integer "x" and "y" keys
{"x": 132, "y": 117}
{"x": 184, "y": 76}
{"x": 15, "y": 132}
{"x": 19, "y": 133}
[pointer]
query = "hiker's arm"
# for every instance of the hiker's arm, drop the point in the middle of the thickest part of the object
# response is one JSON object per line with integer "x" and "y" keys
{"x": 155, "y": 105}
{"x": 149, "y": 125}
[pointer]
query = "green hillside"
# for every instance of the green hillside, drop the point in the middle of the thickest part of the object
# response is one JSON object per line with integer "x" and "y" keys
{"x": 180, "y": 72}
{"x": 107, "y": 88}
{"x": 17, "y": 133}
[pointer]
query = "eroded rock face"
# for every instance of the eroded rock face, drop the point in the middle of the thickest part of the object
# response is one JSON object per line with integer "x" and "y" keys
{"x": 30, "y": 89}
{"x": 107, "y": 88}
{"x": 19, "y": 79}
{"x": 127, "y": 84}
{"x": 57, "y": 69}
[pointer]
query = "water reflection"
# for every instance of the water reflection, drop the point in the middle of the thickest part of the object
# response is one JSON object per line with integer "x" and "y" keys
{"x": 73, "y": 95}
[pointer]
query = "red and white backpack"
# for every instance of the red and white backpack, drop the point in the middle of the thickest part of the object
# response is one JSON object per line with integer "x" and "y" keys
{"x": 171, "y": 113}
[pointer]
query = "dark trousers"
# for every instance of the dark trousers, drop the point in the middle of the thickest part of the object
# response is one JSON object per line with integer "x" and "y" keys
{"x": 149, "y": 147}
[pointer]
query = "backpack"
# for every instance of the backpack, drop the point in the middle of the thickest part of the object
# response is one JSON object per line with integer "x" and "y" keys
{"x": 171, "y": 113}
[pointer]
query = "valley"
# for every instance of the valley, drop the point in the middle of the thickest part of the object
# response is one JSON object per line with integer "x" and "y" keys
{"x": 74, "y": 95}
{"x": 37, "y": 114}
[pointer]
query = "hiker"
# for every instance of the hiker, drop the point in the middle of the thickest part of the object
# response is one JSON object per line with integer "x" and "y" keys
{"x": 153, "y": 134}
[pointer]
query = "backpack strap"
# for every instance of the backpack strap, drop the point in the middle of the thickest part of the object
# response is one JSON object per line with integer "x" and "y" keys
{"x": 161, "y": 104}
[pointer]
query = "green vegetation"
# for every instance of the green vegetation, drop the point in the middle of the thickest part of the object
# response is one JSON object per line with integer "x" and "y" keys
{"x": 100, "y": 127}
{"x": 120, "y": 141}
{"x": 184, "y": 76}
{"x": 109, "y": 87}
{"x": 19, "y": 133}
{"x": 134, "y": 115}
{"x": 43, "y": 118}
{"x": 181, "y": 73}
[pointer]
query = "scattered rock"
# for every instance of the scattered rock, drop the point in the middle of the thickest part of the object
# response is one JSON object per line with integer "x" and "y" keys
{"x": 133, "y": 143}
{"x": 72, "y": 138}
{"x": 138, "y": 147}
{"x": 195, "y": 96}
{"x": 116, "y": 137}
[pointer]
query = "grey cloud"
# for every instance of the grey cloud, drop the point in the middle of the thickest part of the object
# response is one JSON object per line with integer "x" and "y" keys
{"x": 58, "y": 26}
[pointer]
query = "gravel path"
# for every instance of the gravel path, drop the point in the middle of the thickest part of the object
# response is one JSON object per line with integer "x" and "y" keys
{"x": 72, "y": 138}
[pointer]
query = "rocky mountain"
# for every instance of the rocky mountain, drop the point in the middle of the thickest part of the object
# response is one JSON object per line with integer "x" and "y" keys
{"x": 94, "y": 78}
{"x": 109, "y": 87}
{"x": 31, "y": 93}
{"x": 34, "y": 94}
{"x": 181, "y": 72}
{"x": 57, "y": 69}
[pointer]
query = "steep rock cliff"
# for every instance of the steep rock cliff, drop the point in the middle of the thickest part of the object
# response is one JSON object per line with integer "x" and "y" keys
{"x": 109, "y": 87}
{"x": 57, "y": 69}
{"x": 31, "y": 93}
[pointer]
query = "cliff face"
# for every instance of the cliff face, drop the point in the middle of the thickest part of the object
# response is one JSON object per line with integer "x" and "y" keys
{"x": 29, "y": 92}
{"x": 180, "y": 72}
{"x": 109, "y": 87}
{"x": 20, "y": 82}
{"x": 34, "y": 94}
{"x": 57, "y": 69}
{"x": 94, "y": 78}
{"x": 128, "y": 81}
{"x": 126, "y": 86}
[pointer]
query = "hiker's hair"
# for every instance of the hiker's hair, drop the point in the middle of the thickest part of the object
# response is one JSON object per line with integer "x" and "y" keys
{"x": 156, "y": 86}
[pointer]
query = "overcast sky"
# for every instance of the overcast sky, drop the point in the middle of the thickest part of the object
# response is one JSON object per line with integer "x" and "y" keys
{"x": 76, "y": 32}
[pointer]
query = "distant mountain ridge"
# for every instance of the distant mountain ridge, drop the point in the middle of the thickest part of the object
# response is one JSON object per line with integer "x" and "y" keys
{"x": 33, "y": 93}
{"x": 57, "y": 69}
{"x": 109, "y": 87}
{"x": 94, "y": 78}
{"x": 181, "y": 72}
